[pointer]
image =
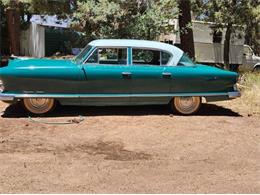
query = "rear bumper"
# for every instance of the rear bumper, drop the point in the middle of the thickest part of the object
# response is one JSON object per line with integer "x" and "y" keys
{"x": 234, "y": 94}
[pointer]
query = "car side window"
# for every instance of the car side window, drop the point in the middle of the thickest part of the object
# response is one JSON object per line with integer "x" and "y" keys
{"x": 94, "y": 57}
{"x": 165, "y": 57}
{"x": 185, "y": 61}
{"x": 109, "y": 56}
{"x": 145, "y": 57}
{"x": 247, "y": 51}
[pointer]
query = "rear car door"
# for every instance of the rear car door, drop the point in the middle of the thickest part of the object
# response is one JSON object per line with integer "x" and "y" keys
{"x": 150, "y": 76}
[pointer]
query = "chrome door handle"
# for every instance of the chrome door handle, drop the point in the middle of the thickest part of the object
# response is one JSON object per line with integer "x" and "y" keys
{"x": 167, "y": 75}
{"x": 212, "y": 79}
{"x": 126, "y": 75}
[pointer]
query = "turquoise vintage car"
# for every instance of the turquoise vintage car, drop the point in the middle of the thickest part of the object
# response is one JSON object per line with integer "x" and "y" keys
{"x": 116, "y": 72}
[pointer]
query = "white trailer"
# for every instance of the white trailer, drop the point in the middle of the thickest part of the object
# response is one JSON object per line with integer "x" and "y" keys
{"x": 209, "y": 46}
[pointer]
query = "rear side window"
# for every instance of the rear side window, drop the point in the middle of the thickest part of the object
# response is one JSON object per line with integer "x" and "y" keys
{"x": 165, "y": 57}
{"x": 146, "y": 57}
{"x": 150, "y": 57}
{"x": 109, "y": 56}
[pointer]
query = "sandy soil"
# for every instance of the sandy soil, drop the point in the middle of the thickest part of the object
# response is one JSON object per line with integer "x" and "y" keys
{"x": 131, "y": 150}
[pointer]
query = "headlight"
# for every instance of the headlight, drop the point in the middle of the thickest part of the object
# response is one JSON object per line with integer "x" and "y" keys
{"x": 1, "y": 86}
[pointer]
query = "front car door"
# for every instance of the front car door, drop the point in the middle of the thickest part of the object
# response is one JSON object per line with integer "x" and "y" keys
{"x": 107, "y": 80}
{"x": 248, "y": 61}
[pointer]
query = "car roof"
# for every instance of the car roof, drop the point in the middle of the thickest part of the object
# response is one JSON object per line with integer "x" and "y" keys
{"x": 175, "y": 51}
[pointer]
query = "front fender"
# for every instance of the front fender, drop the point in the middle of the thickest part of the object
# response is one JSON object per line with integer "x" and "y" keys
{"x": 41, "y": 76}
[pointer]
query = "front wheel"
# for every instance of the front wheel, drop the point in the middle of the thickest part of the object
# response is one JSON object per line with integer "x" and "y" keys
{"x": 38, "y": 105}
{"x": 186, "y": 105}
{"x": 257, "y": 69}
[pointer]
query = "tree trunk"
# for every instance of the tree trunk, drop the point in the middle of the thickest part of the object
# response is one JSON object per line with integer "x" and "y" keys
{"x": 249, "y": 32}
{"x": 186, "y": 33}
{"x": 13, "y": 24}
{"x": 0, "y": 34}
{"x": 227, "y": 45}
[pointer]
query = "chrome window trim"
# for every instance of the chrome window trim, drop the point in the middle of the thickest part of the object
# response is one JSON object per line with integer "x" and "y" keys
{"x": 131, "y": 60}
{"x": 177, "y": 53}
{"x": 154, "y": 49}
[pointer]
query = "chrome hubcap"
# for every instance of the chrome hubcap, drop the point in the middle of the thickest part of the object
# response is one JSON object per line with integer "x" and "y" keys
{"x": 186, "y": 102}
{"x": 187, "y": 105}
{"x": 39, "y": 102}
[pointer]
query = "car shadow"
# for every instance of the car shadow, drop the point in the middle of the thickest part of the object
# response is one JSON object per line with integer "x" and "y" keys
{"x": 15, "y": 111}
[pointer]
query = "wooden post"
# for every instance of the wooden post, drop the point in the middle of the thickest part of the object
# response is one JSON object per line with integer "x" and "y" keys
{"x": 0, "y": 34}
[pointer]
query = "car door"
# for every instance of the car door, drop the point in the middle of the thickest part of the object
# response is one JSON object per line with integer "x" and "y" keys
{"x": 106, "y": 72}
{"x": 149, "y": 75}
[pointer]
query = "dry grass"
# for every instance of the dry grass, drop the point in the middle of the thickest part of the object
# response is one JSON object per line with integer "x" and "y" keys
{"x": 249, "y": 85}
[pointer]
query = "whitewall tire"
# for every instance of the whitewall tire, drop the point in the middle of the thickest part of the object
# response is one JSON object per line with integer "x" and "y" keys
{"x": 38, "y": 105}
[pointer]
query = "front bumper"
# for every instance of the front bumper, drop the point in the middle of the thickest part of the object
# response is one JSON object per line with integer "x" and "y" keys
{"x": 6, "y": 97}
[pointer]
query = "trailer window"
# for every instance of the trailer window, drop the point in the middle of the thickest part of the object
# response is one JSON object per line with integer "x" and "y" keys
{"x": 217, "y": 36}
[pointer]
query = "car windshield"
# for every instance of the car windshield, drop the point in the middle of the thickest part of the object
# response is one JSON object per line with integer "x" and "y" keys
{"x": 185, "y": 61}
{"x": 82, "y": 54}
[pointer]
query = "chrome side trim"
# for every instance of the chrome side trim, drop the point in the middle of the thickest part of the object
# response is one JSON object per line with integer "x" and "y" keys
{"x": 12, "y": 96}
{"x": 234, "y": 94}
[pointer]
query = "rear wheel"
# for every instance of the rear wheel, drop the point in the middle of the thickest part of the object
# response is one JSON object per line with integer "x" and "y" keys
{"x": 38, "y": 105}
{"x": 186, "y": 105}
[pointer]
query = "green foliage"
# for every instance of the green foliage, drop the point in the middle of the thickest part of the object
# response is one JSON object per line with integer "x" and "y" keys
{"x": 124, "y": 19}
{"x": 223, "y": 12}
{"x": 155, "y": 20}
{"x": 96, "y": 19}
{"x": 50, "y": 7}
{"x": 40, "y": 6}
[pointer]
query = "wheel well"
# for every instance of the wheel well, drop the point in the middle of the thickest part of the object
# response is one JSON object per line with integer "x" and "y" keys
{"x": 257, "y": 66}
{"x": 203, "y": 99}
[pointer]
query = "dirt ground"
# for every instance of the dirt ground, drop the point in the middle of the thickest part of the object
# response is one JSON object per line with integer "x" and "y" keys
{"x": 131, "y": 150}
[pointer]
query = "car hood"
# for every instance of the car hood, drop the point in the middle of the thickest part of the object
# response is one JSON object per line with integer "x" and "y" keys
{"x": 39, "y": 62}
{"x": 257, "y": 58}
